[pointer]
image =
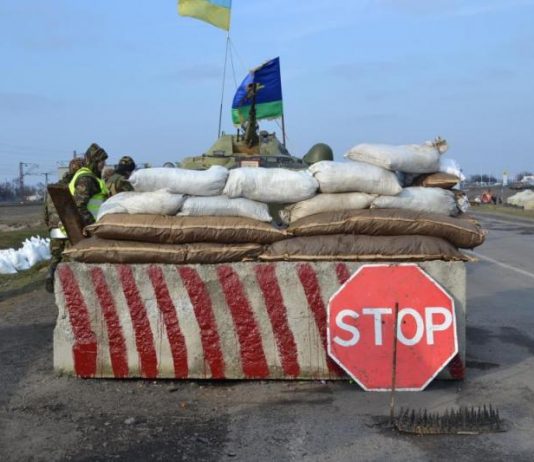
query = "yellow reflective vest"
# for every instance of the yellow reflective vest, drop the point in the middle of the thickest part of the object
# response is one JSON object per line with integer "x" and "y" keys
{"x": 96, "y": 200}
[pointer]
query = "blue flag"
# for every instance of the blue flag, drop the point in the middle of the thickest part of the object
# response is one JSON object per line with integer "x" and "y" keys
{"x": 268, "y": 93}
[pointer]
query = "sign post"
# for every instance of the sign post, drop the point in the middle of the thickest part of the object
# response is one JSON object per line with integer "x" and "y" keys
{"x": 363, "y": 320}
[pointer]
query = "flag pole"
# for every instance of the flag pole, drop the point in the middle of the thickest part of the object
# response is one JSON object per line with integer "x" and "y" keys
{"x": 283, "y": 130}
{"x": 223, "y": 81}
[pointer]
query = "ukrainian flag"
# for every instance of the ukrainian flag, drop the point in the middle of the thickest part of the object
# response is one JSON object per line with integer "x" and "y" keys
{"x": 216, "y": 12}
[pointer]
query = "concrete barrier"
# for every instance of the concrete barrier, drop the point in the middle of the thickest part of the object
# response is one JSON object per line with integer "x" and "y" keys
{"x": 227, "y": 321}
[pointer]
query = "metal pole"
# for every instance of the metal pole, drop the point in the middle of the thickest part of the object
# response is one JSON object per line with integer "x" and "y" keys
{"x": 223, "y": 82}
{"x": 394, "y": 367}
{"x": 21, "y": 180}
{"x": 283, "y": 131}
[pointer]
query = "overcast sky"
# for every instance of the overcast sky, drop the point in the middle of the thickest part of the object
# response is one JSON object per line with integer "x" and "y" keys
{"x": 138, "y": 79}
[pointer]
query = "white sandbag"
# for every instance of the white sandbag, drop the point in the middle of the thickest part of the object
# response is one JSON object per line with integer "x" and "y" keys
{"x": 462, "y": 201}
{"x": 411, "y": 158}
{"x": 451, "y": 167}
{"x": 274, "y": 185}
{"x": 326, "y": 203}
{"x": 160, "y": 202}
{"x": 6, "y": 267}
{"x": 521, "y": 198}
{"x": 435, "y": 200}
{"x": 223, "y": 206}
{"x": 33, "y": 250}
{"x": 16, "y": 259}
{"x": 529, "y": 205}
{"x": 337, "y": 177}
{"x": 43, "y": 247}
{"x": 181, "y": 181}
{"x": 30, "y": 252}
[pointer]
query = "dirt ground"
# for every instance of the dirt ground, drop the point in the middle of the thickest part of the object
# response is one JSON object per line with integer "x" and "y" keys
{"x": 20, "y": 215}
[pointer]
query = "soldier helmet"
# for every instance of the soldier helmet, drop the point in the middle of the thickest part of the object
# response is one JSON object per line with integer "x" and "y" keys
{"x": 318, "y": 152}
{"x": 126, "y": 164}
{"x": 76, "y": 164}
{"x": 95, "y": 154}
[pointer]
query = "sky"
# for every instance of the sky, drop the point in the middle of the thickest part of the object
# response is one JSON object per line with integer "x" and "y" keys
{"x": 139, "y": 79}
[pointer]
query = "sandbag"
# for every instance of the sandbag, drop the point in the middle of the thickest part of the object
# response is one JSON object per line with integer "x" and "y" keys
{"x": 95, "y": 250}
{"x": 160, "y": 202}
{"x": 451, "y": 167}
{"x": 345, "y": 247}
{"x": 223, "y": 206}
{"x": 181, "y": 181}
{"x": 326, "y": 203}
{"x": 337, "y": 177}
{"x": 461, "y": 232}
{"x": 276, "y": 185}
{"x": 179, "y": 230}
{"x": 412, "y": 158}
{"x": 521, "y": 198}
{"x": 529, "y": 205}
{"x": 436, "y": 180}
{"x": 462, "y": 201}
{"x": 433, "y": 200}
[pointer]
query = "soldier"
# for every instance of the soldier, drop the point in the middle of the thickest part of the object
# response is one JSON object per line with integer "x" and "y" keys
{"x": 58, "y": 238}
{"x": 87, "y": 187}
{"x": 118, "y": 182}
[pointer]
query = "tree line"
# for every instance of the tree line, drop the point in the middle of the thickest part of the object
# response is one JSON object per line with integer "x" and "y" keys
{"x": 10, "y": 191}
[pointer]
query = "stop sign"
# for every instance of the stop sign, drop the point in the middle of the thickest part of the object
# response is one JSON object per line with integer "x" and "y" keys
{"x": 361, "y": 316}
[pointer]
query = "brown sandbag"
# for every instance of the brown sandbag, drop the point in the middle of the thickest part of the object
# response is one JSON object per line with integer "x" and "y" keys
{"x": 95, "y": 250}
{"x": 436, "y": 180}
{"x": 463, "y": 233}
{"x": 363, "y": 248}
{"x": 163, "y": 229}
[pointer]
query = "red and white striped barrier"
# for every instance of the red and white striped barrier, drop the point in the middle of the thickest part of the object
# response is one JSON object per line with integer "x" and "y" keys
{"x": 227, "y": 321}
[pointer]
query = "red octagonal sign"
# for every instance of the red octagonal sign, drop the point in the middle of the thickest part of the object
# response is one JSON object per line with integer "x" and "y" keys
{"x": 360, "y": 327}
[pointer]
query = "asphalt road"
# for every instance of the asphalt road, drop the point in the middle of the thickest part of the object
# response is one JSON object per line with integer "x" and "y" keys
{"x": 44, "y": 417}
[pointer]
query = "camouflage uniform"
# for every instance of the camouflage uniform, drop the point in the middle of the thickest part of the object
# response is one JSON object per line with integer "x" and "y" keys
{"x": 86, "y": 185}
{"x": 52, "y": 220}
{"x": 118, "y": 182}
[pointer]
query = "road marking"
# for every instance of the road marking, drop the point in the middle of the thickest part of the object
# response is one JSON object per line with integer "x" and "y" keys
{"x": 502, "y": 265}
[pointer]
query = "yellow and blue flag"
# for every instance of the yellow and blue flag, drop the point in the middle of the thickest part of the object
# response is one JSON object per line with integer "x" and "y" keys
{"x": 268, "y": 93}
{"x": 216, "y": 12}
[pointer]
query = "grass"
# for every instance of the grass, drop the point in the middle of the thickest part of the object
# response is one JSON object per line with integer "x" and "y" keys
{"x": 504, "y": 210}
{"x": 14, "y": 239}
{"x": 23, "y": 281}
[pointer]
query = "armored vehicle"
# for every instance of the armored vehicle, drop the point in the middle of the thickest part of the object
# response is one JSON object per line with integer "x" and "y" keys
{"x": 232, "y": 151}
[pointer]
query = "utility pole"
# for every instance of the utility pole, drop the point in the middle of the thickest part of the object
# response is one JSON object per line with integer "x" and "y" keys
{"x": 21, "y": 180}
{"x": 74, "y": 154}
{"x": 22, "y": 174}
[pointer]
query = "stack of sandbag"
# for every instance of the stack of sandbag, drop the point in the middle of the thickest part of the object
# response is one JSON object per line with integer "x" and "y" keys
{"x": 524, "y": 199}
{"x": 183, "y": 216}
{"x": 377, "y": 235}
{"x": 343, "y": 186}
{"x": 145, "y": 238}
{"x": 363, "y": 212}
{"x": 426, "y": 177}
{"x": 356, "y": 210}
